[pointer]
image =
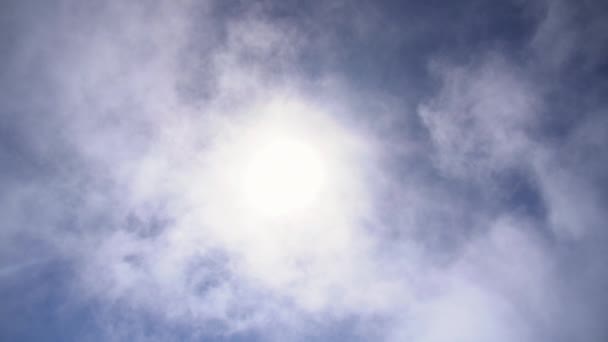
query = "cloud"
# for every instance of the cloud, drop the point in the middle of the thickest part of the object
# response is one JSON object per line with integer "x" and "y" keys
{"x": 481, "y": 120}
{"x": 457, "y": 210}
{"x": 571, "y": 34}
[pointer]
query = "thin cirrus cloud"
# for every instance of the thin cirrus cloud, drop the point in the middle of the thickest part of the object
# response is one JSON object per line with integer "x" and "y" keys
{"x": 453, "y": 188}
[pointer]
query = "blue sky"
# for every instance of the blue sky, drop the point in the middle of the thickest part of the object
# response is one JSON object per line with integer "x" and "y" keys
{"x": 420, "y": 171}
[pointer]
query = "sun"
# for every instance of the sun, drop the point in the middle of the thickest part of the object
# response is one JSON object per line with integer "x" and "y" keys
{"x": 283, "y": 176}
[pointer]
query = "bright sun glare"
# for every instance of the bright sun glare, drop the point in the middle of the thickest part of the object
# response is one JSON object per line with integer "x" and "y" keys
{"x": 283, "y": 176}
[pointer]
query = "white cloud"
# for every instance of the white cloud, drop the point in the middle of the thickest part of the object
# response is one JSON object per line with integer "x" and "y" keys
{"x": 421, "y": 249}
{"x": 480, "y": 120}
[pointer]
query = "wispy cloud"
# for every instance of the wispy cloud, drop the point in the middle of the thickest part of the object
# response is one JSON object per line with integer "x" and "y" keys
{"x": 462, "y": 201}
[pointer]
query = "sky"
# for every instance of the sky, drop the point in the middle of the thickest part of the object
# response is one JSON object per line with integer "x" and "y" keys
{"x": 424, "y": 171}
